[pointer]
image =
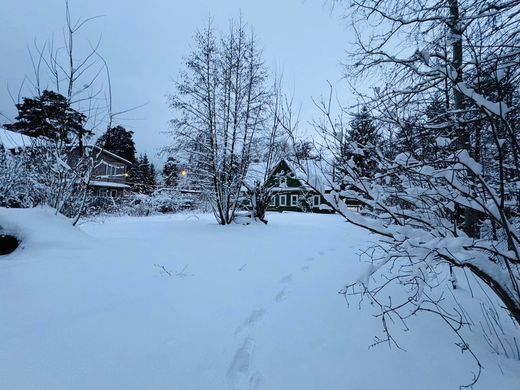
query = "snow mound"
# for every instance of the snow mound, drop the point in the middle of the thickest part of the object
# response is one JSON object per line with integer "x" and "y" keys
{"x": 38, "y": 227}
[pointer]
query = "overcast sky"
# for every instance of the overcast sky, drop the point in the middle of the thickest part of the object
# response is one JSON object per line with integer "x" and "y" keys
{"x": 144, "y": 42}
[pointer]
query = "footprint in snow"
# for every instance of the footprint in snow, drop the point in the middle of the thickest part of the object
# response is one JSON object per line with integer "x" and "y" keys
{"x": 305, "y": 268}
{"x": 286, "y": 279}
{"x": 238, "y": 373}
{"x": 255, "y": 381}
{"x": 281, "y": 295}
{"x": 251, "y": 320}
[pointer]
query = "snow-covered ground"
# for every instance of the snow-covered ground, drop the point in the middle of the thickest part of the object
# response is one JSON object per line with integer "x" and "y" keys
{"x": 178, "y": 302}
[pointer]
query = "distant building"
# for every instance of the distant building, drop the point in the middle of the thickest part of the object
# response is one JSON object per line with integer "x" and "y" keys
{"x": 13, "y": 141}
{"x": 110, "y": 172}
{"x": 295, "y": 189}
{"x": 289, "y": 188}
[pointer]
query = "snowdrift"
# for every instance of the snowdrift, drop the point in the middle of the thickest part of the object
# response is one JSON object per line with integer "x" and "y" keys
{"x": 39, "y": 227}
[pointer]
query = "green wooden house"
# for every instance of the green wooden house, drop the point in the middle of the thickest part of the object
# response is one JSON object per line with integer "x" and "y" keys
{"x": 290, "y": 192}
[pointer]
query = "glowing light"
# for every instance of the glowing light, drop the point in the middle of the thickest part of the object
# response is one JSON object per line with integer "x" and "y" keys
{"x": 184, "y": 172}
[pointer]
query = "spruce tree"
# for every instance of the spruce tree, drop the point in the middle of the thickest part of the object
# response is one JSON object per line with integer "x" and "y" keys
{"x": 138, "y": 178}
{"x": 151, "y": 179}
{"x": 144, "y": 178}
{"x": 362, "y": 141}
{"x": 171, "y": 172}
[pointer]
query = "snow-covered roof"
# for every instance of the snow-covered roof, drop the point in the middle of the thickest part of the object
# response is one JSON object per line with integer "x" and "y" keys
{"x": 256, "y": 173}
{"x": 314, "y": 173}
{"x": 108, "y": 153}
{"x": 12, "y": 140}
{"x": 109, "y": 184}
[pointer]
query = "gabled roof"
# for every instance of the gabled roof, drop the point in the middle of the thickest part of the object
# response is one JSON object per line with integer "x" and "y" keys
{"x": 310, "y": 173}
{"x": 12, "y": 140}
{"x": 256, "y": 172}
{"x": 315, "y": 173}
{"x": 108, "y": 153}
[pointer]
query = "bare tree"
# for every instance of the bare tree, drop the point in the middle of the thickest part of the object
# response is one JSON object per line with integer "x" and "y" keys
{"x": 276, "y": 143}
{"x": 448, "y": 209}
{"x": 72, "y": 68}
{"x": 220, "y": 104}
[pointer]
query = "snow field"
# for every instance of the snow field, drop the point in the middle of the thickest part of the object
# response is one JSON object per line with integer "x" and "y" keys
{"x": 178, "y": 302}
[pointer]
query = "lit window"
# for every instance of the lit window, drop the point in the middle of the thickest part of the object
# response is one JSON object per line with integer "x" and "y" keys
{"x": 283, "y": 200}
{"x": 294, "y": 200}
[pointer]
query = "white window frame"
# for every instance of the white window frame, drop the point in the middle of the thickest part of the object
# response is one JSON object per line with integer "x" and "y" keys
{"x": 283, "y": 200}
{"x": 316, "y": 200}
{"x": 272, "y": 201}
{"x": 294, "y": 199}
{"x": 110, "y": 169}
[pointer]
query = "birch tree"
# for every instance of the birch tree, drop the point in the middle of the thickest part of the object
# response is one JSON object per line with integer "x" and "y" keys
{"x": 220, "y": 104}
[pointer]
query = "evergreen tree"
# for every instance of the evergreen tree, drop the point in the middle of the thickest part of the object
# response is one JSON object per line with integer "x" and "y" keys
{"x": 50, "y": 115}
{"x": 406, "y": 139}
{"x": 143, "y": 169}
{"x": 120, "y": 141}
{"x": 144, "y": 177}
{"x": 151, "y": 181}
{"x": 171, "y": 172}
{"x": 362, "y": 140}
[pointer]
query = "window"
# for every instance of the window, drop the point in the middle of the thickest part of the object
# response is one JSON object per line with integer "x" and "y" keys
{"x": 294, "y": 200}
{"x": 110, "y": 170}
{"x": 283, "y": 181}
{"x": 316, "y": 201}
{"x": 272, "y": 201}
{"x": 283, "y": 200}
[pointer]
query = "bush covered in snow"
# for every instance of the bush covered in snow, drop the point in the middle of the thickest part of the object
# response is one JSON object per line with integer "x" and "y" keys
{"x": 161, "y": 201}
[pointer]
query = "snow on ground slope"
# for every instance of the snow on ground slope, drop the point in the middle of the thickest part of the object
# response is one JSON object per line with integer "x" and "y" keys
{"x": 178, "y": 302}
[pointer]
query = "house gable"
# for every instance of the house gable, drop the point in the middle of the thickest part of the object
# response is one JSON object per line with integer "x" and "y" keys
{"x": 290, "y": 193}
{"x": 109, "y": 175}
{"x": 280, "y": 172}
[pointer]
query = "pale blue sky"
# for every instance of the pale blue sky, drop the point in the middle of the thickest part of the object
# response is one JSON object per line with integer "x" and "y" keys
{"x": 144, "y": 42}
